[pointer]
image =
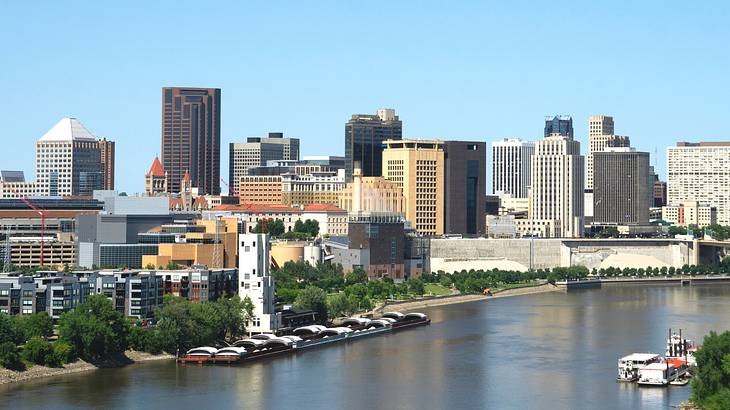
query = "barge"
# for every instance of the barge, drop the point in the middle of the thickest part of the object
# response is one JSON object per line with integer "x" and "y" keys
{"x": 267, "y": 345}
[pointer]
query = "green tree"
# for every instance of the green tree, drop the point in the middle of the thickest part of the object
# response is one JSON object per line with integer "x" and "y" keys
{"x": 358, "y": 275}
{"x": 341, "y": 305}
{"x": 37, "y": 324}
{"x": 677, "y": 230}
{"x": 311, "y": 227}
{"x": 415, "y": 286}
{"x": 62, "y": 353}
{"x": 313, "y": 298}
{"x": 9, "y": 356}
{"x": 94, "y": 329}
{"x": 9, "y": 331}
{"x": 711, "y": 384}
{"x": 234, "y": 313}
{"x": 37, "y": 350}
{"x": 274, "y": 227}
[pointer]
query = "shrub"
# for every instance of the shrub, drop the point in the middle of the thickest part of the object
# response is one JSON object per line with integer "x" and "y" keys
{"x": 36, "y": 350}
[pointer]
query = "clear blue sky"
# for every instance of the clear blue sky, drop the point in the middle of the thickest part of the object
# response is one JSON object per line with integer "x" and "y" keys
{"x": 452, "y": 70}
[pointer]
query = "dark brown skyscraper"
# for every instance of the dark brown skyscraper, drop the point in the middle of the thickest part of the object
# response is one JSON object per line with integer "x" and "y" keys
{"x": 106, "y": 148}
{"x": 465, "y": 171}
{"x": 191, "y": 137}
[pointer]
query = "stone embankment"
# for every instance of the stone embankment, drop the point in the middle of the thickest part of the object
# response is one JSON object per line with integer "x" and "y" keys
{"x": 410, "y": 305}
{"x": 37, "y": 371}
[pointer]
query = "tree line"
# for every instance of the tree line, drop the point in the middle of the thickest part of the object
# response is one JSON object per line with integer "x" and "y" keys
{"x": 95, "y": 332}
{"x": 306, "y": 229}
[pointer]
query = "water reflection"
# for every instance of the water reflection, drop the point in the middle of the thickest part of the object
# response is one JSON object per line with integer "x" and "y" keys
{"x": 553, "y": 350}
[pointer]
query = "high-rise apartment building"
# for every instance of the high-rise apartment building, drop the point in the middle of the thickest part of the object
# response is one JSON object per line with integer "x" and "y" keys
{"x": 556, "y": 194}
{"x": 465, "y": 164}
{"x": 68, "y": 161}
{"x": 254, "y": 260}
{"x": 191, "y": 137}
{"x": 417, "y": 166}
{"x": 364, "y": 136}
{"x": 252, "y": 153}
{"x": 621, "y": 193}
{"x": 511, "y": 167}
{"x": 601, "y": 136}
{"x": 106, "y": 151}
{"x": 559, "y": 125}
{"x": 700, "y": 172}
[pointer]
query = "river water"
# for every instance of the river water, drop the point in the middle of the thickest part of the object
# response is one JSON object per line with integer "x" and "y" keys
{"x": 545, "y": 351}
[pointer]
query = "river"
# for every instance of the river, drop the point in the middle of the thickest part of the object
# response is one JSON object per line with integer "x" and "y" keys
{"x": 544, "y": 351}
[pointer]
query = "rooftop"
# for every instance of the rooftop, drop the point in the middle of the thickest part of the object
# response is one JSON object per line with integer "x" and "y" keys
{"x": 68, "y": 129}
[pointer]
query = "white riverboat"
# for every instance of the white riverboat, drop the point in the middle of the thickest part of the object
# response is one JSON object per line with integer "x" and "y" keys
{"x": 663, "y": 373}
{"x": 681, "y": 348}
{"x": 628, "y": 366}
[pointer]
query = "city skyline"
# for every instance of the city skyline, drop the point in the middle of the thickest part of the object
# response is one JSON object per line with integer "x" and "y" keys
{"x": 470, "y": 97}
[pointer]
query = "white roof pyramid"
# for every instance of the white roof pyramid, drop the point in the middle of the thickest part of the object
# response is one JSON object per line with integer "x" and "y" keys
{"x": 68, "y": 129}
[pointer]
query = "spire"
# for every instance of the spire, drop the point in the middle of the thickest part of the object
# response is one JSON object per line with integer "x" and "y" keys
{"x": 156, "y": 170}
{"x": 186, "y": 177}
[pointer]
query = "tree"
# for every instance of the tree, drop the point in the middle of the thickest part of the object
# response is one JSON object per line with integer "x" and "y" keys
{"x": 9, "y": 357}
{"x": 150, "y": 266}
{"x": 311, "y": 227}
{"x": 677, "y": 230}
{"x": 94, "y": 329}
{"x": 358, "y": 275}
{"x": 711, "y": 384}
{"x": 234, "y": 313}
{"x": 274, "y": 227}
{"x": 415, "y": 285}
{"x": 35, "y": 325}
{"x": 37, "y": 350}
{"x": 341, "y": 305}
{"x": 9, "y": 331}
{"x": 313, "y": 298}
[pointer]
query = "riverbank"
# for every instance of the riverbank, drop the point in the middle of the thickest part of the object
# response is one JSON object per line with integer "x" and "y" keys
{"x": 454, "y": 299}
{"x": 37, "y": 371}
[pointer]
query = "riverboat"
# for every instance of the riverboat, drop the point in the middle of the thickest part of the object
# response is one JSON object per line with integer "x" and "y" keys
{"x": 628, "y": 366}
{"x": 681, "y": 348}
{"x": 662, "y": 373}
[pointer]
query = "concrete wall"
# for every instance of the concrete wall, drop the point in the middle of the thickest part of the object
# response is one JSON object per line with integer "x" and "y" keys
{"x": 520, "y": 254}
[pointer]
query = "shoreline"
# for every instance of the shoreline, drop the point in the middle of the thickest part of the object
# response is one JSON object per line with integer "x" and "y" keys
{"x": 455, "y": 299}
{"x": 37, "y": 372}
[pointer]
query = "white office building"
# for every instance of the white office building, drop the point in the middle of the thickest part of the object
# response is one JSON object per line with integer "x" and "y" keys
{"x": 511, "y": 167}
{"x": 601, "y": 136}
{"x": 700, "y": 172}
{"x": 68, "y": 161}
{"x": 254, "y": 260}
{"x": 556, "y": 194}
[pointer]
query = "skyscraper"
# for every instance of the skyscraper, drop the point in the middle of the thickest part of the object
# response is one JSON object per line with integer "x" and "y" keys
{"x": 252, "y": 153}
{"x": 68, "y": 161}
{"x": 511, "y": 167}
{"x": 464, "y": 175}
{"x": 557, "y": 185}
{"x": 559, "y": 125}
{"x": 600, "y": 136}
{"x": 700, "y": 172}
{"x": 191, "y": 137}
{"x": 417, "y": 166}
{"x": 364, "y": 136}
{"x": 106, "y": 150}
{"x": 290, "y": 145}
{"x": 621, "y": 192}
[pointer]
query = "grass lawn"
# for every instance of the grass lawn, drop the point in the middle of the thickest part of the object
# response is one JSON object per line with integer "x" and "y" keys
{"x": 436, "y": 289}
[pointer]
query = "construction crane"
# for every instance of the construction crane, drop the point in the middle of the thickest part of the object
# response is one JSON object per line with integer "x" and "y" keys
{"x": 40, "y": 212}
{"x": 230, "y": 191}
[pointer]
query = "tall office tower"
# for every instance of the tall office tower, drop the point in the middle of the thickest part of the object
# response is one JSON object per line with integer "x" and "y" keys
{"x": 254, "y": 259}
{"x": 191, "y": 137}
{"x": 600, "y": 136}
{"x": 621, "y": 193}
{"x": 290, "y": 145}
{"x": 364, "y": 136}
{"x": 418, "y": 168}
{"x": 700, "y": 172}
{"x": 106, "y": 150}
{"x": 557, "y": 185}
{"x": 465, "y": 186}
{"x": 600, "y": 125}
{"x": 252, "y": 153}
{"x": 511, "y": 167}
{"x": 560, "y": 125}
{"x": 68, "y": 161}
